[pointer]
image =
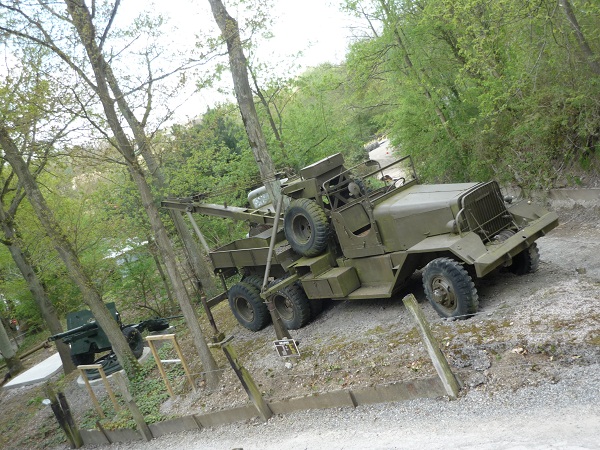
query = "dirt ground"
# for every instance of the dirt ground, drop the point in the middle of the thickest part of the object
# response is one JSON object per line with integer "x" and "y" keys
{"x": 529, "y": 330}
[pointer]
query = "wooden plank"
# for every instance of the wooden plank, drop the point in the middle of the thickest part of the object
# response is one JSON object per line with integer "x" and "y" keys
{"x": 437, "y": 357}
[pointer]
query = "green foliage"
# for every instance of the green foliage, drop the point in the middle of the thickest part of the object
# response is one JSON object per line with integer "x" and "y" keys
{"x": 149, "y": 392}
{"x": 483, "y": 89}
{"x": 320, "y": 118}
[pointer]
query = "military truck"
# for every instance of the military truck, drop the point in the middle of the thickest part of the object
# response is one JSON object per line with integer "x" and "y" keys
{"x": 361, "y": 232}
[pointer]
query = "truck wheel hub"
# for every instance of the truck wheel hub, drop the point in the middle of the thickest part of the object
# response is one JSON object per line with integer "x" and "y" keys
{"x": 302, "y": 229}
{"x": 442, "y": 293}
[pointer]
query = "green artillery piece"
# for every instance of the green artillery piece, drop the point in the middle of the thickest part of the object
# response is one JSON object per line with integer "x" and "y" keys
{"x": 87, "y": 338}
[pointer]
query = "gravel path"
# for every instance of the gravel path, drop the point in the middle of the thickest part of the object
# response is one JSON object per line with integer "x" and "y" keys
{"x": 564, "y": 415}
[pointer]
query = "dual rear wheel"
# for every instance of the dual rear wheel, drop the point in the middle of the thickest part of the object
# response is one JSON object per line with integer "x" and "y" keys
{"x": 294, "y": 308}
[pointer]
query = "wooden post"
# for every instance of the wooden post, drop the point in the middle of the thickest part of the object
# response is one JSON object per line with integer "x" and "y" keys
{"x": 437, "y": 357}
{"x": 143, "y": 427}
{"x": 161, "y": 369}
{"x": 246, "y": 379}
{"x": 82, "y": 368}
{"x": 63, "y": 417}
{"x": 91, "y": 392}
{"x": 78, "y": 440}
{"x": 159, "y": 362}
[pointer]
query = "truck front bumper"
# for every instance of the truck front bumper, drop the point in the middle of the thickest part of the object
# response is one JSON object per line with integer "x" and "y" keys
{"x": 502, "y": 253}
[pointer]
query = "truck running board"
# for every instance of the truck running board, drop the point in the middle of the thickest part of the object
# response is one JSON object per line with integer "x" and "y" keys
{"x": 383, "y": 290}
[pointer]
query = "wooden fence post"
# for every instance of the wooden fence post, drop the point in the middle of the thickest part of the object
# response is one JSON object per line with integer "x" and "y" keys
{"x": 143, "y": 427}
{"x": 82, "y": 368}
{"x": 159, "y": 362}
{"x": 62, "y": 412}
{"x": 437, "y": 357}
{"x": 245, "y": 378}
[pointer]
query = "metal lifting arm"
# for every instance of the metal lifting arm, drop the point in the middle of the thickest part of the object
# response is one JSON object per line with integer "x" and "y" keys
{"x": 232, "y": 212}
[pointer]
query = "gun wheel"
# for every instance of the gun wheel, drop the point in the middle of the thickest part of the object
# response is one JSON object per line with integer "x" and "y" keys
{"x": 306, "y": 227}
{"x": 247, "y": 306}
{"x": 450, "y": 289}
{"x": 82, "y": 359}
{"x": 135, "y": 341}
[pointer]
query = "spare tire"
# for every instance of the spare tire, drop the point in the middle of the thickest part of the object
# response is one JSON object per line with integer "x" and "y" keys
{"x": 306, "y": 227}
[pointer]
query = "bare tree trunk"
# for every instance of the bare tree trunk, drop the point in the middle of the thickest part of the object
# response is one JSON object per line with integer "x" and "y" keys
{"x": 152, "y": 248}
{"x": 193, "y": 251}
{"x": 82, "y": 21}
{"x": 36, "y": 288}
{"x": 591, "y": 58}
{"x": 13, "y": 363}
{"x": 64, "y": 248}
{"x": 267, "y": 107}
{"x": 239, "y": 71}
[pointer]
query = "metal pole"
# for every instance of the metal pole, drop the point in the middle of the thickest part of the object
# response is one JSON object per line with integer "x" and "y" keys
{"x": 198, "y": 232}
{"x": 272, "y": 243}
{"x": 280, "y": 330}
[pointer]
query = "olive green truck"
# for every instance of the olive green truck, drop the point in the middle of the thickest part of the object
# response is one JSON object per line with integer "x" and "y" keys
{"x": 360, "y": 233}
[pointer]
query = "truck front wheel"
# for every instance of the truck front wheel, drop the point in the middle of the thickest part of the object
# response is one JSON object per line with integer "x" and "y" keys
{"x": 527, "y": 261}
{"x": 247, "y": 306}
{"x": 450, "y": 289}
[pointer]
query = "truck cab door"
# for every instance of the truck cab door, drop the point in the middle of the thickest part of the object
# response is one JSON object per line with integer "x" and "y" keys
{"x": 356, "y": 230}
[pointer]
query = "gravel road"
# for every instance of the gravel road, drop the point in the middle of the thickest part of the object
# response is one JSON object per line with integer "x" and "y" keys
{"x": 564, "y": 415}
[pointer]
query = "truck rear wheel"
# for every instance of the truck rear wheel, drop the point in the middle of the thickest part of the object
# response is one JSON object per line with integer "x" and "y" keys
{"x": 293, "y": 306}
{"x": 254, "y": 280}
{"x": 306, "y": 227}
{"x": 247, "y": 306}
{"x": 135, "y": 341}
{"x": 527, "y": 261}
{"x": 450, "y": 289}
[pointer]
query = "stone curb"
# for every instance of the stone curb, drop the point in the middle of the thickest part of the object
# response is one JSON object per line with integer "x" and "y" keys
{"x": 409, "y": 390}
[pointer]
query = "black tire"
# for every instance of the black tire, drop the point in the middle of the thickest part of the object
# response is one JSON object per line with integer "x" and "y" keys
{"x": 254, "y": 280}
{"x": 293, "y": 306}
{"x": 306, "y": 227}
{"x": 247, "y": 306}
{"x": 450, "y": 289}
{"x": 82, "y": 359}
{"x": 527, "y": 261}
{"x": 134, "y": 339}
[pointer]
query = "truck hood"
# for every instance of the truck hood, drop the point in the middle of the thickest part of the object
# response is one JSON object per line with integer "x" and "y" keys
{"x": 422, "y": 198}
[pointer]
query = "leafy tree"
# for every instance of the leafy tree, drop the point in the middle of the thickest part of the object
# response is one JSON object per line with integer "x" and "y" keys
{"x": 92, "y": 64}
{"x": 230, "y": 33}
{"x": 480, "y": 89}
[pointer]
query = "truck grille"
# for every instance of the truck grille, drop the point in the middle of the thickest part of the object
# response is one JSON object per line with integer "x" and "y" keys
{"x": 484, "y": 211}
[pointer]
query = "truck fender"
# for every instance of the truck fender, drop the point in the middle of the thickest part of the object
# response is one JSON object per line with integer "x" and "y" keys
{"x": 467, "y": 248}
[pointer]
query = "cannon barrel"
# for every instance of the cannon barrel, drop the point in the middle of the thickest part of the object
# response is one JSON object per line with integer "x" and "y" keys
{"x": 85, "y": 329}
